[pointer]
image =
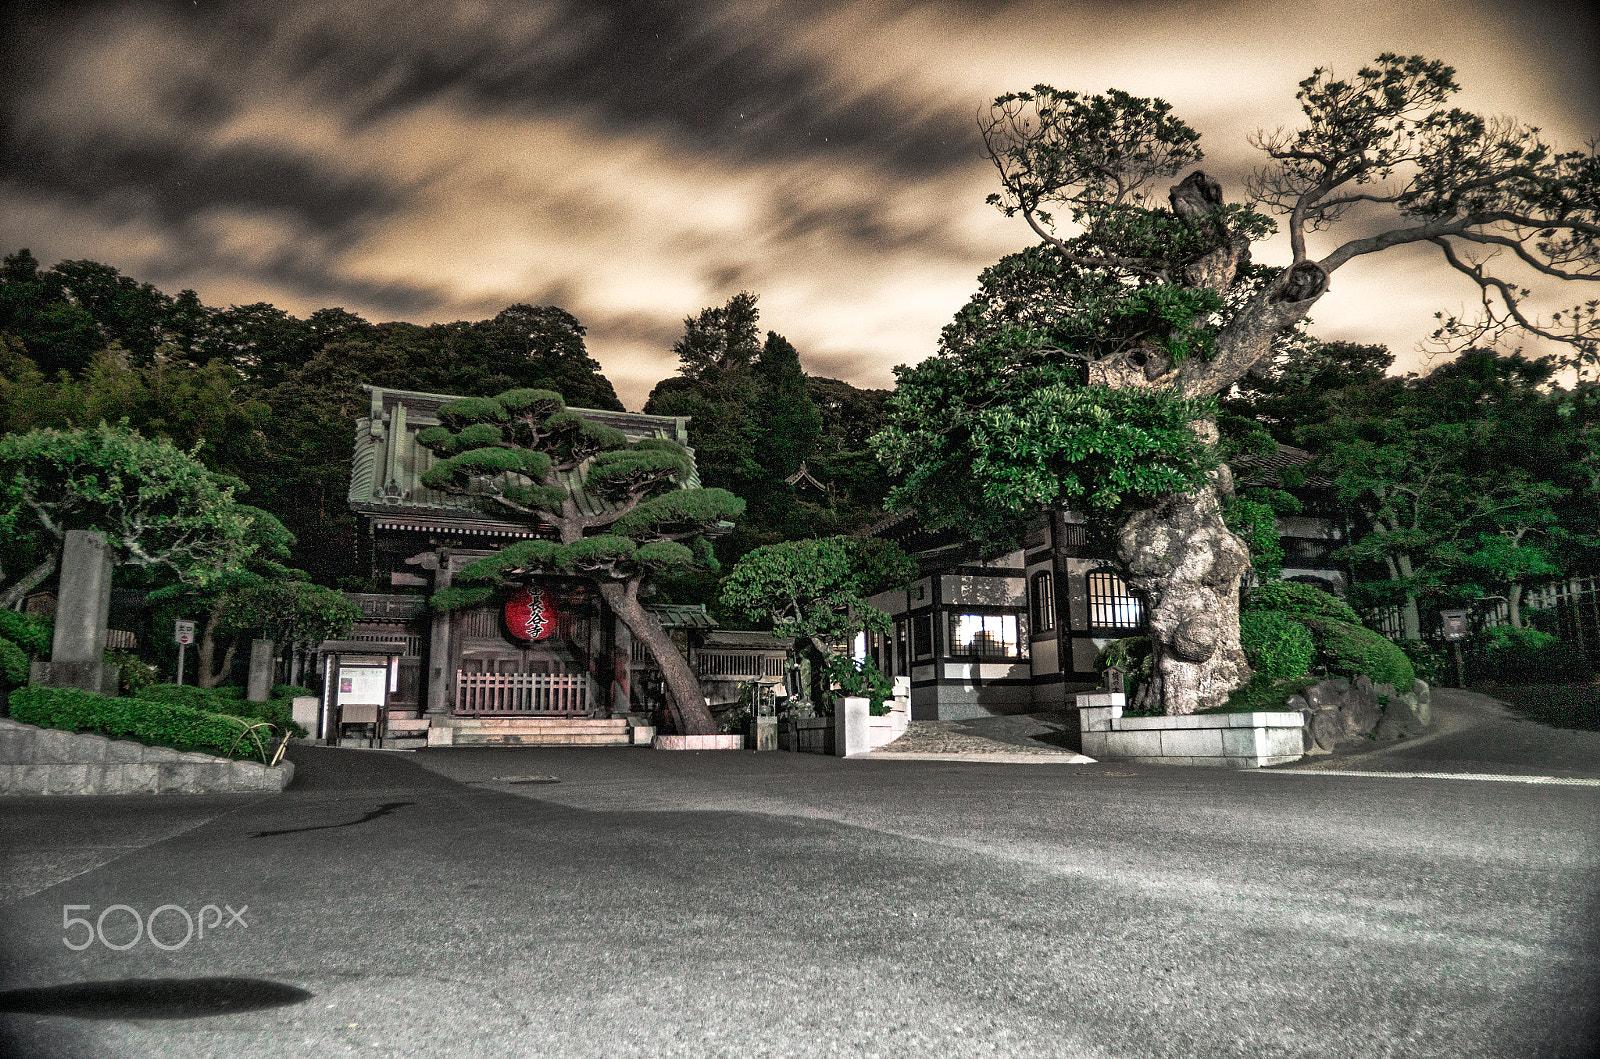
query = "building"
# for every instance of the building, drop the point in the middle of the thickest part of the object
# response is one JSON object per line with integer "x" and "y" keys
{"x": 982, "y": 634}
{"x": 557, "y": 658}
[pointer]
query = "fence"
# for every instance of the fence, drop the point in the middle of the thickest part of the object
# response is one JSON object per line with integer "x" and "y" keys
{"x": 522, "y": 694}
{"x": 1568, "y": 610}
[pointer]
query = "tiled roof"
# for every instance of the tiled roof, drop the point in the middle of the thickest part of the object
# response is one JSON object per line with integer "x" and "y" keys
{"x": 1249, "y": 468}
{"x": 682, "y": 615}
{"x": 387, "y": 468}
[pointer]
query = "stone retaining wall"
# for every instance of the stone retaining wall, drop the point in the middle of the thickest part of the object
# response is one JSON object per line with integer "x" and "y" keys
{"x": 49, "y": 761}
{"x": 1218, "y": 740}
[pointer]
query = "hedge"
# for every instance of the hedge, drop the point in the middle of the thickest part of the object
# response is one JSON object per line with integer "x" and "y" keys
{"x": 143, "y": 720}
{"x": 14, "y": 665}
{"x": 1351, "y": 649}
{"x": 227, "y": 700}
{"x": 1296, "y": 597}
{"x": 1275, "y": 644}
{"x": 27, "y": 632}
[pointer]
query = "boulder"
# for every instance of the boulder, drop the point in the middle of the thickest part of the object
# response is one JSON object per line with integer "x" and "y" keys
{"x": 1405, "y": 716}
{"x": 1324, "y": 729}
{"x": 1360, "y": 714}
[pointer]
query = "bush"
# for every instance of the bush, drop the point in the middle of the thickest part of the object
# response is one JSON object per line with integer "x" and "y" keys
{"x": 26, "y": 631}
{"x": 288, "y": 691}
{"x": 1276, "y": 645}
{"x": 1131, "y": 654}
{"x": 1263, "y": 694}
{"x": 1430, "y": 659}
{"x": 135, "y": 674}
{"x": 862, "y": 680}
{"x": 229, "y": 701}
{"x": 1526, "y": 656}
{"x": 1348, "y": 650}
{"x": 1295, "y": 597}
{"x": 143, "y": 720}
{"x": 14, "y": 665}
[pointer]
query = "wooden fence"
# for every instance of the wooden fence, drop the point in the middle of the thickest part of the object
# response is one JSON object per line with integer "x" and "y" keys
{"x": 522, "y": 694}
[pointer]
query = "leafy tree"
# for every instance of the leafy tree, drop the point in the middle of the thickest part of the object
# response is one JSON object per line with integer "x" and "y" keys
{"x": 159, "y": 508}
{"x": 524, "y": 454}
{"x": 1127, "y": 298}
{"x": 58, "y": 334}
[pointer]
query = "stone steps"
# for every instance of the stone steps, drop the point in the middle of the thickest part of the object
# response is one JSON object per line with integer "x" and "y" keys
{"x": 541, "y": 739}
{"x": 540, "y": 731}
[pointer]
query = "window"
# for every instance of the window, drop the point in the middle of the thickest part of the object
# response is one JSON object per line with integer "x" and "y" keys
{"x": 984, "y": 636}
{"x": 922, "y": 634}
{"x": 877, "y": 650}
{"x": 1111, "y": 605}
{"x": 1044, "y": 602}
{"x": 902, "y": 653}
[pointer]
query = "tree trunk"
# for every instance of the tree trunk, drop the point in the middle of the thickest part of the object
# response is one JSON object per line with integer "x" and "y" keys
{"x": 205, "y": 676}
{"x": 686, "y": 698}
{"x": 17, "y": 593}
{"x": 1514, "y": 604}
{"x": 1185, "y": 562}
{"x": 1410, "y": 614}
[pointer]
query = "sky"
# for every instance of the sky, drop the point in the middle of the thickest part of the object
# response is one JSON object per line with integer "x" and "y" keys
{"x": 636, "y": 161}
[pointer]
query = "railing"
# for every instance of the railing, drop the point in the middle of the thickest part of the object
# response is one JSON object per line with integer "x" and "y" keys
{"x": 413, "y": 643}
{"x": 522, "y": 694}
{"x": 739, "y": 665}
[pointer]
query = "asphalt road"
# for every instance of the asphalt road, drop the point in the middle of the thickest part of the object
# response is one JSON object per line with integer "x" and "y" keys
{"x": 735, "y": 904}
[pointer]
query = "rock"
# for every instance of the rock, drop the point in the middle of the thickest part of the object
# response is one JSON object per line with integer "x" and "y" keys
{"x": 1360, "y": 714}
{"x": 1405, "y": 716}
{"x": 1297, "y": 702}
{"x": 1320, "y": 696}
{"x": 1324, "y": 731}
{"x": 1363, "y": 682}
{"x": 1339, "y": 684}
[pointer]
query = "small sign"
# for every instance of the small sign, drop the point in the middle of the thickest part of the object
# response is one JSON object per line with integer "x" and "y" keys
{"x": 1114, "y": 679}
{"x": 183, "y": 632}
{"x": 1454, "y": 623}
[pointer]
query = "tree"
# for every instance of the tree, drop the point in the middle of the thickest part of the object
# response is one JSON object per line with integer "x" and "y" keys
{"x": 1128, "y": 298}
{"x": 815, "y": 591}
{"x": 524, "y": 453}
{"x": 159, "y": 508}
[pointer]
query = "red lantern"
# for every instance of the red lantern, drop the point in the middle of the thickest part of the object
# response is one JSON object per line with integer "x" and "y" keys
{"x": 531, "y": 617}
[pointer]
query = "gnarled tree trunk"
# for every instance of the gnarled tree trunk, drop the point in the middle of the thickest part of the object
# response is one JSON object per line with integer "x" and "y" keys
{"x": 1181, "y": 557}
{"x": 686, "y": 700}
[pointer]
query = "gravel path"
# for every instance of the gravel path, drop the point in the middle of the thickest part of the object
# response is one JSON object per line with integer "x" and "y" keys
{"x": 988, "y": 735}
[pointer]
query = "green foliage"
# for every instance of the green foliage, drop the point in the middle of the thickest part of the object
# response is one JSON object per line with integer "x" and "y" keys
{"x": 1524, "y": 656}
{"x": 1275, "y": 645}
{"x": 1295, "y": 597}
{"x": 817, "y": 588}
{"x": 278, "y": 710}
{"x": 152, "y": 722}
{"x": 289, "y": 612}
{"x": 1431, "y": 661}
{"x": 157, "y": 506}
{"x": 1264, "y": 694}
{"x": 27, "y": 631}
{"x": 679, "y": 512}
{"x": 1132, "y": 655}
{"x": 1256, "y": 523}
{"x": 14, "y": 665}
{"x": 465, "y": 411}
{"x": 134, "y": 674}
{"x": 861, "y": 680}
{"x": 983, "y": 445}
{"x": 1347, "y": 649}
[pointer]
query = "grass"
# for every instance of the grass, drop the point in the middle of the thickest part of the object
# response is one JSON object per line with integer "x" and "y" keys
{"x": 1575, "y": 706}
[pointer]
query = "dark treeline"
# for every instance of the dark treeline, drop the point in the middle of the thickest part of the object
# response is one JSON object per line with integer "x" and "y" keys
{"x": 271, "y": 399}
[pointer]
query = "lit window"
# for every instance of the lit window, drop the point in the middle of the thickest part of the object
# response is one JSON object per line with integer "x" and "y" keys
{"x": 1111, "y": 605}
{"x": 984, "y": 636}
{"x": 1044, "y": 602}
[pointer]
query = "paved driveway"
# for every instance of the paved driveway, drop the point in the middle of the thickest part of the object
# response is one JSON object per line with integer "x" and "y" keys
{"x": 456, "y": 903}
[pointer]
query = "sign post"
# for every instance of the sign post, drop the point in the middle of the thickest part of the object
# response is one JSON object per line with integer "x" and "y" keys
{"x": 1455, "y": 630}
{"x": 183, "y": 636}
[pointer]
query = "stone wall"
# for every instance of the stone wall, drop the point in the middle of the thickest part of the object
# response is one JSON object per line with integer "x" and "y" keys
{"x": 1337, "y": 710}
{"x": 48, "y": 761}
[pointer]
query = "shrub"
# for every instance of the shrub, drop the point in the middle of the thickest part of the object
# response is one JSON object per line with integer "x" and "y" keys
{"x": 1349, "y": 650}
{"x": 26, "y": 631}
{"x": 1263, "y": 694}
{"x": 229, "y": 701}
{"x": 288, "y": 691}
{"x": 1131, "y": 654}
{"x": 1526, "y": 656}
{"x": 1430, "y": 659}
{"x": 142, "y": 720}
{"x": 14, "y": 665}
{"x": 1275, "y": 644}
{"x": 1295, "y": 597}
{"x": 862, "y": 680}
{"x": 135, "y": 674}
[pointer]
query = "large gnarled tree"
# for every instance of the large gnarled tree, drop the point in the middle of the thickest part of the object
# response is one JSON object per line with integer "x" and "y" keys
{"x": 1061, "y": 381}
{"x": 525, "y": 453}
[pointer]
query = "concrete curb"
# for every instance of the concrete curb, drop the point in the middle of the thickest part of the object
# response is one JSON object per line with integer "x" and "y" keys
{"x": 49, "y": 761}
{"x": 996, "y": 758}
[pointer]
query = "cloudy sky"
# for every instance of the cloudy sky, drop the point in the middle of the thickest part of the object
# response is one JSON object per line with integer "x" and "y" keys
{"x": 636, "y": 160}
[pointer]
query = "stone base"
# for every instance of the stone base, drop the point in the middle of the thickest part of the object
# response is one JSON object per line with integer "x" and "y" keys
{"x": 98, "y": 677}
{"x": 48, "y": 761}
{"x": 1215, "y": 740}
{"x": 699, "y": 742}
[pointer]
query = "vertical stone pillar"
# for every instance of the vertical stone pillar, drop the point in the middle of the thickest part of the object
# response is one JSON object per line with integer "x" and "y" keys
{"x": 441, "y": 673}
{"x": 258, "y": 686}
{"x": 621, "y": 668}
{"x": 77, "y": 654}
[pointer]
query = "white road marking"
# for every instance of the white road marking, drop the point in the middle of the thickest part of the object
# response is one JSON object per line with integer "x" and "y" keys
{"x": 1486, "y": 777}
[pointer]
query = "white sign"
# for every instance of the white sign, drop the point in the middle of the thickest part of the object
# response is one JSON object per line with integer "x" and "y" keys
{"x": 183, "y": 632}
{"x": 362, "y": 685}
